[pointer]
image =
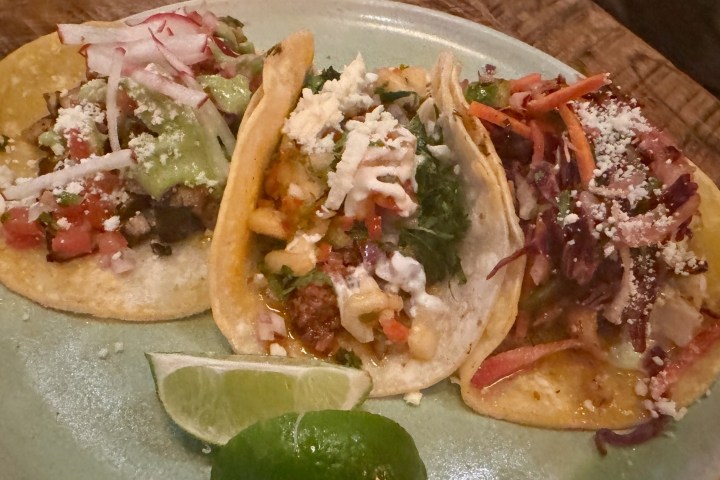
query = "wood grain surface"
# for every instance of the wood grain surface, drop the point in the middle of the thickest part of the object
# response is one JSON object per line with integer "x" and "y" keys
{"x": 578, "y": 32}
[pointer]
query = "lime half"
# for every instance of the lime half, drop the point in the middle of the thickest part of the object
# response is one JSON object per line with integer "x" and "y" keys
{"x": 327, "y": 445}
{"x": 214, "y": 398}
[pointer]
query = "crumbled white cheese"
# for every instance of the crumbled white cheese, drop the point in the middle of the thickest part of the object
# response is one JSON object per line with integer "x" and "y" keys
{"x": 119, "y": 347}
{"x": 112, "y": 223}
{"x": 63, "y": 223}
{"x": 318, "y": 116}
{"x": 641, "y": 388}
{"x": 103, "y": 353}
{"x": 570, "y": 218}
{"x": 80, "y": 119}
{"x": 413, "y": 398}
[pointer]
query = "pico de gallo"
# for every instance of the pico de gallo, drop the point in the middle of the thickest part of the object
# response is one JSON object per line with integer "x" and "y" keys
{"x": 608, "y": 205}
{"x": 139, "y": 151}
{"x": 362, "y": 209}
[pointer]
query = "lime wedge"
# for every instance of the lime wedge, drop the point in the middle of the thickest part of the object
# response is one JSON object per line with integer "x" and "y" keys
{"x": 214, "y": 398}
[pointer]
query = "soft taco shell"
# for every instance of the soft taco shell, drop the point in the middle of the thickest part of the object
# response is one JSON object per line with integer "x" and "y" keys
{"x": 236, "y": 303}
{"x": 572, "y": 389}
{"x": 158, "y": 288}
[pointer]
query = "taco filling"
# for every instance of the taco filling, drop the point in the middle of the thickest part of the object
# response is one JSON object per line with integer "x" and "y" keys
{"x": 138, "y": 152}
{"x": 609, "y": 208}
{"x": 361, "y": 213}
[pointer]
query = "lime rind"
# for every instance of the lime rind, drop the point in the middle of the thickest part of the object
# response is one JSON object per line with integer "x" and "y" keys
{"x": 213, "y": 397}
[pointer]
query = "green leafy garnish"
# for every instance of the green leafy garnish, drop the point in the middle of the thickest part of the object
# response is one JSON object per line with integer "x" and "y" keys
{"x": 316, "y": 82}
{"x": 46, "y": 220}
{"x": 348, "y": 358}
{"x": 388, "y": 97}
{"x": 282, "y": 284}
{"x": 66, "y": 199}
{"x": 434, "y": 237}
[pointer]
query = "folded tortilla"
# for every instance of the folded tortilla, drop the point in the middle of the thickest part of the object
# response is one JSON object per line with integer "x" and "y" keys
{"x": 572, "y": 388}
{"x": 158, "y": 289}
{"x": 493, "y": 234}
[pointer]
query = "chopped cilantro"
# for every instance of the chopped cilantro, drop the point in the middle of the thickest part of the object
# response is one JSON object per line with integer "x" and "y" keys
{"x": 434, "y": 236}
{"x": 316, "y": 82}
{"x": 285, "y": 282}
{"x": 46, "y": 220}
{"x": 66, "y": 199}
{"x": 348, "y": 358}
{"x": 388, "y": 97}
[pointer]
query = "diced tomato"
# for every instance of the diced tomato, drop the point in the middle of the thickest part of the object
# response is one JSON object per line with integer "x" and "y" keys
{"x": 75, "y": 214}
{"x": 385, "y": 202}
{"x": 78, "y": 147}
{"x": 110, "y": 242}
{"x": 374, "y": 227}
{"x": 104, "y": 182}
{"x": 324, "y": 250}
{"x": 73, "y": 242}
{"x": 20, "y": 232}
{"x": 97, "y": 211}
{"x": 395, "y": 331}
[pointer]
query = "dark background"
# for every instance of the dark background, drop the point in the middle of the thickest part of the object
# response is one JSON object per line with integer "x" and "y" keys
{"x": 687, "y": 32}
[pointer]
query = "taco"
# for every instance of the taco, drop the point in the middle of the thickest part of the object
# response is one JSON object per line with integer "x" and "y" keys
{"x": 374, "y": 222}
{"x": 617, "y": 323}
{"x": 114, "y": 158}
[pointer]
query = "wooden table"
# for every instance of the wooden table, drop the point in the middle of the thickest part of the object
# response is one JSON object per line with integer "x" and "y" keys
{"x": 578, "y": 32}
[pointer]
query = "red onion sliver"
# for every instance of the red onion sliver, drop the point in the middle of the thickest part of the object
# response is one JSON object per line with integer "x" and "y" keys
{"x": 111, "y": 99}
{"x": 89, "y": 166}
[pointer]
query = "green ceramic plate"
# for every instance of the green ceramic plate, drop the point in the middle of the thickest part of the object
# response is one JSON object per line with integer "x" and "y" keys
{"x": 67, "y": 414}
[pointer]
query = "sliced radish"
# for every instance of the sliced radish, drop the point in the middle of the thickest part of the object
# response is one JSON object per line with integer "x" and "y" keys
{"x": 113, "y": 112}
{"x": 166, "y": 86}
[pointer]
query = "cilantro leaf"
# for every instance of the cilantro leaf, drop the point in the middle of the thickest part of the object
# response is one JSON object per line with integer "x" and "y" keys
{"x": 348, "y": 358}
{"x": 388, "y": 97}
{"x": 282, "y": 284}
{"x": 316, "y": 82}
{"x": 435, "y": 236}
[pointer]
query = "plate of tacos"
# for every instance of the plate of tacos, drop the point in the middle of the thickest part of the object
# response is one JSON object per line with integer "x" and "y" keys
{"x": 466, "y": 218}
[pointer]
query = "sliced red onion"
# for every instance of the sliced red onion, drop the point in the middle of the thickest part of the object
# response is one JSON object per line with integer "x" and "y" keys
{"x": 166, "y": 86}
{"x": 89, "y": 166}
{"x": 113, "y": 111}
{"x": 517, "y": 101}
{"x": 640, "y": 434}
{"x": 264, "y": 327}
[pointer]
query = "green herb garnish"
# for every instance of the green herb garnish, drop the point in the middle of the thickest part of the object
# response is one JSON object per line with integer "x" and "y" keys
{"x": 388, "y": 97}
{"x": 282, "y": 284}
{"x": 66, "y": 199}
{"x": 316, "y": 82}
{"x": 434, "y": 237}
{"x": 348, "y": 358}
{"x": 563, "y": 205}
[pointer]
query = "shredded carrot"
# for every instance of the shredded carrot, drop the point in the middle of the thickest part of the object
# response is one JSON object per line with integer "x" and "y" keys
{"x": 583, "y": 152}
{"x": 496, "y": 117}
{"x": 538, "y": 139}
{"x": 524, "y": 83}
{"x": 565, "y": 94}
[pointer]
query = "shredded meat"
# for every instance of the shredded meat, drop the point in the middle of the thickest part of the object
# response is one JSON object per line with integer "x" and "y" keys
{"x": 314, "y": 312}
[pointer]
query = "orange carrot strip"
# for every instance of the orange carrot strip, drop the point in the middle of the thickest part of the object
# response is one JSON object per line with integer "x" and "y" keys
{"x": 538, "y": 139}
{"x": 565, "y": 94}
{"x": 523, "y": 83}
{"x": 489, "y": 114}
{"x": 583, "y": 152}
